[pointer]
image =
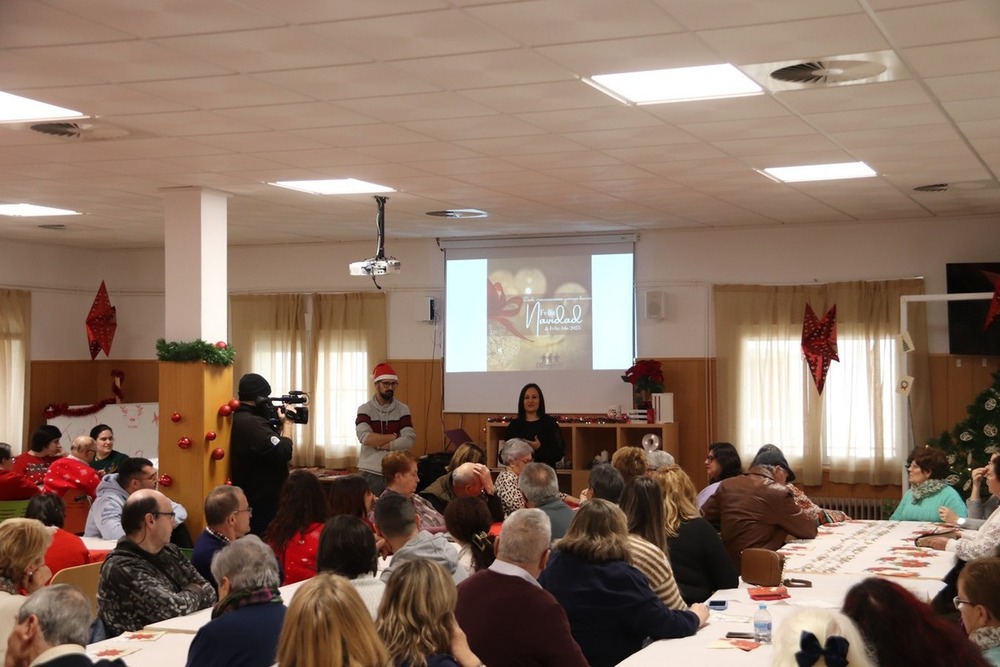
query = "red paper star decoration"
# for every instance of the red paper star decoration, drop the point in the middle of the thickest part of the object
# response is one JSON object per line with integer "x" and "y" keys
{"x": 101, "y": 323}
{"x": 994, "y": 311}
{"x": 819, "y": 343}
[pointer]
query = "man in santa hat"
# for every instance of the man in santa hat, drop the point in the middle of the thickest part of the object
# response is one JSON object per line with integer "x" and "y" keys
{"x": 383, "y": 425}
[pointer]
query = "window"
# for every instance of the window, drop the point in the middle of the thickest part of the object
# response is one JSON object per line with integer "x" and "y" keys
{"x": 15, "y": 333}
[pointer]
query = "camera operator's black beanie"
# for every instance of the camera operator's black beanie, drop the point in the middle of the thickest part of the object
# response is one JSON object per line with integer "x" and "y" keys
{"x": 252, "y": 386}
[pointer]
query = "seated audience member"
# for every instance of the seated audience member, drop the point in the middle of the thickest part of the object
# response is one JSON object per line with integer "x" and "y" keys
{"x": 540, "y": 488}
{"x": 819, "y": 637}
{"x": 438, "y": 492}
{"x": 978, "y": 602}
{"x": 416, "y": 619}
{"x": 508, "y": 618}
{"x": 656, "y": 459}
{"x": 73, "y": 471}
{"x": 468, "y": 521}
{"x": 399, "y": 470}
{"x": 347, "y": 547}
{"x": 771, "y": 455}
{"x": 350, "y": 495}
{"x": 23, "y": 543}
{"x": 722, "y": 462}
{"x": 642, "y": 503}
{"x": 516, "y": 454}
{"x": 396, "y": 520}
{"x": 978, "y": 510}
{"x": 929, "y": 489}
{"x": 227, "y": 514}
{"x": 901, "y": 630}
{"x": 609, "y": 603}
{"x": 43, "y": 452}
{"x": 51, "y": 629}
{"x": 247, "y": 620}
{"x": 13, "y": 485}
{"x": 604, "y": 482}
{"x": 755, "y": 510}
{"x": 630, "y": 462}
{"x": 67, "y": 549}
{"x": 697, "y": 556}
{"x": 107, "y": 459}
{"x": 146, "y": 579}
{"x": 969, "y": 545}
{"x": 294, "y": 531}
{"x": 326, "y": 624}
{"x": 469, "y": 480}
{"x": 105, "y": 517}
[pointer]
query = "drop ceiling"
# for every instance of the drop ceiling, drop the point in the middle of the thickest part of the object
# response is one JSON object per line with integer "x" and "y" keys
{"x": 479, "y": 104}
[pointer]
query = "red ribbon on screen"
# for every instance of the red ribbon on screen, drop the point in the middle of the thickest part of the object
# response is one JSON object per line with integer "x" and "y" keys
{"x": 500, "y": 309}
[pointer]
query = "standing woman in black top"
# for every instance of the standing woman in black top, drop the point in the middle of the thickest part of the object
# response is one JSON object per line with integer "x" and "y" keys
{"x": 537, "y": 428}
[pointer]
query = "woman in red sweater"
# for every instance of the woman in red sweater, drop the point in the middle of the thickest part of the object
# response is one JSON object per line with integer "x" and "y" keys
{"x": 294, "y": 532}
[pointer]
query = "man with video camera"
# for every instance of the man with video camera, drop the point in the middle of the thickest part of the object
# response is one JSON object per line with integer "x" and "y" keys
{"x": 261, "y": 449}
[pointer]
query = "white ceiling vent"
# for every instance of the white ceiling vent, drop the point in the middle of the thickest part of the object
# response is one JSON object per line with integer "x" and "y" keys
{"x": 81, "y": 130}
{"x": 828, "y": 71}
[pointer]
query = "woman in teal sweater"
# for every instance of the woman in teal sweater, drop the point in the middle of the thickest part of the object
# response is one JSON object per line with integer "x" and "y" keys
{"x": 929, "y": 489}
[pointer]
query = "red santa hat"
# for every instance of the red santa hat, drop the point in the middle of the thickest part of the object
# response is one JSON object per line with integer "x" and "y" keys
{"x": 384, "y": 372}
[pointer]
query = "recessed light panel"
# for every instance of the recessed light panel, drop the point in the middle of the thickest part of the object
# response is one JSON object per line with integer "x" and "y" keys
{"x": 17, "y": 109}
{"x": 32, "y": 211}
{"x": 334, "y": 186}
{"x": 819, "y": 172}
{"x": 676, "y": 85}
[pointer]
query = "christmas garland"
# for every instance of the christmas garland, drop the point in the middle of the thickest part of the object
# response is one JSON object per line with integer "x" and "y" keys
{"x": 60, "y": 409}
{"x": 593, "y": 419}
{"x": 220, "y": 354}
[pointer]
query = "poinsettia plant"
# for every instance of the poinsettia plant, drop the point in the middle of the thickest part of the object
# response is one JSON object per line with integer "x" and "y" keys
{"x": 645, "y": 375}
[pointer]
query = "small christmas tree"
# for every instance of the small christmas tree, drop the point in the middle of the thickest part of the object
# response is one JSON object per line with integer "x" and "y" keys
{"x": 973, "y": 440}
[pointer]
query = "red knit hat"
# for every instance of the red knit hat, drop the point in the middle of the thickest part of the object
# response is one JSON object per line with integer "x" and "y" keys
{"x": 384, "y": 372}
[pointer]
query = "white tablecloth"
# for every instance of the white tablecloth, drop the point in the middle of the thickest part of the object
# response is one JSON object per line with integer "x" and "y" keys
{"x": 191, "y": 623}
{"x": 169, "y": 650}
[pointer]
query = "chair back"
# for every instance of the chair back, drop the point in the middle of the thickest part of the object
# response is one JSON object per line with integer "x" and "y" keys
{"x": 77, "y": 508}
{"x": 84, "y": 577}
{"x": 13, "y": 509}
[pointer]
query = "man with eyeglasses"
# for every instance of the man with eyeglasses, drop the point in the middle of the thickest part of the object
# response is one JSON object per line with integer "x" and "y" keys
{"x": 227, "y": 513}
{"x": 105, "y": 517}
{"x": 73, "y": 471}
{"x": 146, "y": 579}
{"x": 383, "y": 425}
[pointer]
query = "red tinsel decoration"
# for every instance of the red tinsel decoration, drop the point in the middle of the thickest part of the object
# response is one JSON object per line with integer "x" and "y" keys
{"x": 61, "y": 409}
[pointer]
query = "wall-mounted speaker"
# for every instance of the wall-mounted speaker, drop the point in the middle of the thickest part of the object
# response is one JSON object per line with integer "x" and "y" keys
{"x": 656, "y": 305}
{"x": 426, "y": 309}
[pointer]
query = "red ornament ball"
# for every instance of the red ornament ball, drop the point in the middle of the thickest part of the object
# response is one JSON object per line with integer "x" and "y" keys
{"x": 225, "y": 410}
{"x": 176, "y": 417}
{"x": 218, "y": 453}
{"x": 235, "y": 404}
{"x": 184, "y": 442}
{"x": 166, "y": 480}
{"x": 222, "y": 345}
{"x": 229, "y": 482}
{"x": 211, "y": 435}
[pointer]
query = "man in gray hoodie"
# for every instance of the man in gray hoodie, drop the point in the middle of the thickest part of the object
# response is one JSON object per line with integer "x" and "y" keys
{"x": 396, "y": 520}
{"x": 105, "y": 517}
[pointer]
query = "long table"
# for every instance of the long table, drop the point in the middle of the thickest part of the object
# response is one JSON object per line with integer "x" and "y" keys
{"x": 841, "y": 556}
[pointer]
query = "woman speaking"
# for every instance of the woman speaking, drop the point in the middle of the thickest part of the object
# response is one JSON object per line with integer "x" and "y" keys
{"x": 537, "y": 428}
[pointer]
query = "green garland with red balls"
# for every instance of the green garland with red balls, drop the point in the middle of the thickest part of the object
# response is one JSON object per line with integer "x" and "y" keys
{"x": 219, "y": 354}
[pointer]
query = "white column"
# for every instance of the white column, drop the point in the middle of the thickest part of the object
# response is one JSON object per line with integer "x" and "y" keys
{"x": 195, "y": 241}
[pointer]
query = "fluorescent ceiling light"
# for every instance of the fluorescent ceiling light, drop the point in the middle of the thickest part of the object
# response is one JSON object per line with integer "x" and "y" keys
{"x": 820, "y": 172}
{"x": 32, "y": 211}
{"x": 676, "y": 85}
{"x": 14, "y": 109}
{"x": 334, "y": 186}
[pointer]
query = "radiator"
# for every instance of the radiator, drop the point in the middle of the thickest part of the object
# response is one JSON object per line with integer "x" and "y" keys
{"x": 856, "y": 508}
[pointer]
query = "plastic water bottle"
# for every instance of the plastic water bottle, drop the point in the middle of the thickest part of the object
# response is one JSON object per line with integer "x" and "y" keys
{"x": 762, "y": 625}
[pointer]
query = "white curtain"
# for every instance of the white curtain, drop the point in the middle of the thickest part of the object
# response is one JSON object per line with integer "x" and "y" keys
{"x": 15, "y": 338}
{"x": 767, "y": 394}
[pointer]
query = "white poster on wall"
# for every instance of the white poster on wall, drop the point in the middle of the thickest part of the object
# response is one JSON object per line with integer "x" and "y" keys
{"x": 136, "y": 427}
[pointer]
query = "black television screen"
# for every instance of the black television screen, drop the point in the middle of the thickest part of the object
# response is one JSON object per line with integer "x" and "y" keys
{"x": 966, "y": 318}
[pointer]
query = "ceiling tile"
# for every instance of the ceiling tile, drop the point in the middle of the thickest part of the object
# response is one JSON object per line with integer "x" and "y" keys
{"x": 942, "y": 22}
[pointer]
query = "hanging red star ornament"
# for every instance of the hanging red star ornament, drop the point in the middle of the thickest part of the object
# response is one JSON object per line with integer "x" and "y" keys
{"x": 101, "y": 323}
{"x": 994, "y": 312}
{"x": 819, "y": 343}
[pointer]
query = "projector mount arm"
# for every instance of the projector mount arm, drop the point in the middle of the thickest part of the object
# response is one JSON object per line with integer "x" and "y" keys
{"x": 379, "y": 232}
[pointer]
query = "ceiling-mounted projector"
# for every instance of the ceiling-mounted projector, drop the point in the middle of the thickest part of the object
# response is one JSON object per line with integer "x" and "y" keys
{"x": 379, "y": 265}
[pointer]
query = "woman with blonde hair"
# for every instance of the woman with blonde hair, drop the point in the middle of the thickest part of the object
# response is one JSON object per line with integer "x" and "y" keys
{"x": 328, "y": 624}
{"x": 416, "y": 619}
{"x": 23, "y": 543}
{"x": 699, "y": 560}
{"x": 610, "y": 606}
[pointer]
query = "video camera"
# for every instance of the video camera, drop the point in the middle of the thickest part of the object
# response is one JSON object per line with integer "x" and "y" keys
{"x": 294, "y": 403}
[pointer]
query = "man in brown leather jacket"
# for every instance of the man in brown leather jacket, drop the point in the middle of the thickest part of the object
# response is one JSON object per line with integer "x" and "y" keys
{"x": 754, "y": 510}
